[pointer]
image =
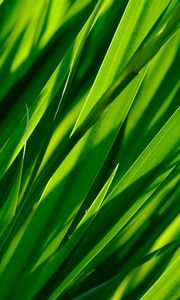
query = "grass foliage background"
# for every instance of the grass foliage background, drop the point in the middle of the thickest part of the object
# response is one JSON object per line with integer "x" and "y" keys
{"x": 89, "y": 135}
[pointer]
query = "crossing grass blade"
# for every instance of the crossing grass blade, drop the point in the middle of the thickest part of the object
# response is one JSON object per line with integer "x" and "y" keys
{"x": 89, "y": 200}
{"x": 168, "y": 285}
{"x": 11, "y": 201}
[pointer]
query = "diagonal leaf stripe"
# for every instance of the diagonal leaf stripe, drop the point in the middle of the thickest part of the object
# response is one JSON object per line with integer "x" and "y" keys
{"x": 89, "y": 192}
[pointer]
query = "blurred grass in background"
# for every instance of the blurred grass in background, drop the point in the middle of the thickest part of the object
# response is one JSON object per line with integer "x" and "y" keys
{"x": 89, "y": 136}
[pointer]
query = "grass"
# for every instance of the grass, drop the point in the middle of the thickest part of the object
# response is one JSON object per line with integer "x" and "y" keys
{"x": 89, "y": 164}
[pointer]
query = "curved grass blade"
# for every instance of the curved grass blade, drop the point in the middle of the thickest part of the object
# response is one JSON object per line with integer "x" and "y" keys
{"x": 170, "y": 127}
{"x": 42, "y": 271}
{"x": 138, "y": 61}
{"x": 167, "y": 286}
{"x": 8, "y": 210}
